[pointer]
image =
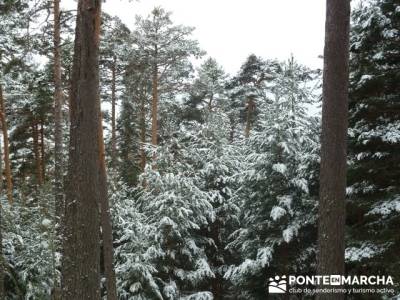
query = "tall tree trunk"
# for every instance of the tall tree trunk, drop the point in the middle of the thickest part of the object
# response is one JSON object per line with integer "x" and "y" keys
{"x": 249, "y": 116}
{"x": 81, "y": 259}
{"x": 142, "y": 133}
{"x": 106, "y": 225}
{"x": 113, "y": 113}
{"x": 154, "y": 106}
{"x": 331, "y": 244}
{"x": 1, "y": 168}
{"x": 58, "y": 98}
{"x": 154, "y": 111}
{"x": 42, "y": 152}
{"x": 7, "y": 165}
{"x": 217, "y": 283}
{"x": 2, "y": 262}
{"x": 36, "y": 151}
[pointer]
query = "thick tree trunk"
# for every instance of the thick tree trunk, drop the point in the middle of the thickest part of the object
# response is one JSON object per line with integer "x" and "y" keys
{"x": 142, "y": 133}
{"x": 331, "y": 244}
{"x": 7, "y": 165}
{"x": 58, "y": 98}
{"x": 113, "y": 114}
{"x": 81, "y": 259}
{"x": 249, "y": 116}
{"x": 106, "y": 225}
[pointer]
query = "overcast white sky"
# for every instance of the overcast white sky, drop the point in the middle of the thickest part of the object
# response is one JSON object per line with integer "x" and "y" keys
{"x": 229, "y": 30}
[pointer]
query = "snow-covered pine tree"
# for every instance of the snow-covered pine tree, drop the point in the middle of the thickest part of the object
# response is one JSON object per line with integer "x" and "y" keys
{"x": 168, "y": 48}
{"x": 115, "y": 47}
{"x": 374, "y": 134}
{"x": 277, "y": 186}
{"x": 177, "y": 208}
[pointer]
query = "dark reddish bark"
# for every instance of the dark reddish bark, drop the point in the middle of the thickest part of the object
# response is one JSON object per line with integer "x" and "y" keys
{"x": 2, "y": 263}
{"x": 81, "y": 247}
{"x": 106, "y": 226}
{"x": 142, "y": 133}
{"x": 42, "y": 152}
{"x": 154, "y": 107}
{"x": 113, "y": 113}
{"x": 7, "y": 165}
{"x": 58, "y": 98}
{"x": 331, "y": 243}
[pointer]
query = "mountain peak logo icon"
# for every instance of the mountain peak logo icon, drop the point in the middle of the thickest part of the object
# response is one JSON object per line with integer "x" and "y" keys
{"x": 277, "y": 285}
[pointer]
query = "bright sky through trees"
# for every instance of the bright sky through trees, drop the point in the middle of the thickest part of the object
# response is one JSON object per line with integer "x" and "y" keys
{"x": 231, "y": 29}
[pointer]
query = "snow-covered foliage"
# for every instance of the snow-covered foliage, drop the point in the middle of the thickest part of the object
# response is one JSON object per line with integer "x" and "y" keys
{"x": 374, "y": 138}
{"x": 30, "y": 246}
{"x": 276, "y": 184}
{"x": 227, "y": 198}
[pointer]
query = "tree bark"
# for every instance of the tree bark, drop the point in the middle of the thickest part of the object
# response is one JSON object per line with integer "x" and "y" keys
{"x": 142, "y": 133}
{"x": 1, "y": 169}
{"x": 2, "y": 263}
{"x": 331, "y": 244}
{"x": 36, "y": 151}
{"x": 7, "y": 165}
{"x": 81, "y": 245}
{"x": 154, "y": 107}
{"x": 154, "y": 110}
{"x": 113, "y": 113}
{"x": 106, "y": 224}
{"x": 42, "y": 152}
{"x": 249, "y": 116}
{"x": 58, "y": 98}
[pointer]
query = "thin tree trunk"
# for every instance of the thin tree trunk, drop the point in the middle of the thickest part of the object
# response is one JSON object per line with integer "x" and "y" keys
{"x": 249, "y": 116}
{"x": 81, "y": 259}
{"x": 142, "y": 133}
{"x": 36, "y": 151}
{"x": 106, "y": 224}
{"x": 58, "y": 98}
{"x": 331, "y": 244}
{"x": 210, "y": 102}
{"x": 1, "y": 168}
{"x": 217, "y": 283}
{"x": 113, "y": 113}
{"x": 2, "y": 263}
{"x": 154, "y": 111}
{"x": 7, "y": 165}
{"x": 42, "y": 152}
{"x": 154, "y": 107}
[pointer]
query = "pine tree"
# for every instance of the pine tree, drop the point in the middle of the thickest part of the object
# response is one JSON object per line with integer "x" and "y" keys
{"x": 248, "y": 86}
{"x": 374, "y": 129}
{"x": 168, "y": 48}
{"x": 114, "y": 49}
{"x": 81, "y": 257}
{"x": 331, "y": 215}
{"x": 276, "y": 186}
{"x": 58, "y": 99}
{"x": 7, "y": 164}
